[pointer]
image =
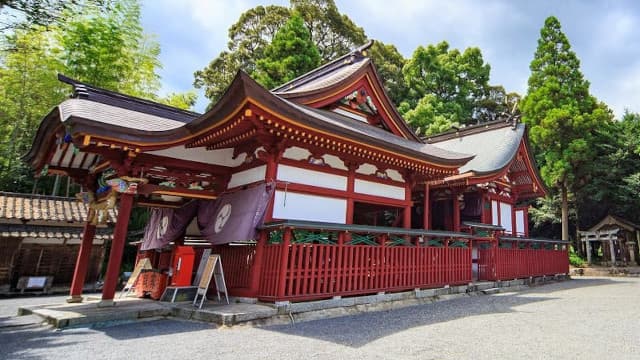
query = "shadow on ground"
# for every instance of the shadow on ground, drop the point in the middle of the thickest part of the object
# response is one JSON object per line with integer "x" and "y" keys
{"x": 362, "y": 329}
{"x": 15, "y": 342}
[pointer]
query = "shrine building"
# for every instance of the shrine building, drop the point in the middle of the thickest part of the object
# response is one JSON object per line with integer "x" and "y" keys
{"x": 315, "y": 189}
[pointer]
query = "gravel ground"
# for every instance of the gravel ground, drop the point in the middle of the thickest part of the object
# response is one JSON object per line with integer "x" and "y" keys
{"x": 587, "y": 318}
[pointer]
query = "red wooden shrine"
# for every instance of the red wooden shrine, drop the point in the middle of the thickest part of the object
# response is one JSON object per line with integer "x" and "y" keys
{"x": 361, "y": 204}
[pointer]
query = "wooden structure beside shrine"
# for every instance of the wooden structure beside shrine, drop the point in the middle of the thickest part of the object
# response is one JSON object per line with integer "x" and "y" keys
{"x": 40, "y": 237}
{"x": 361, "y": 204}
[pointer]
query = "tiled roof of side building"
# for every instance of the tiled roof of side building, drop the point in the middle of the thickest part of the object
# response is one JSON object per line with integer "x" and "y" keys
{"x": 107, "y": 97}
{"x": 494, "y": 145}
{"x": 30, "y": 207}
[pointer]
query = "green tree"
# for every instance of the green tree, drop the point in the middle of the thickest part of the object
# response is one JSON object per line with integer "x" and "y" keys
{"x": 444, "y": 85}
{"x": 334, "y": 34}
{"x": 41, "y": 12}
{"x": 104, "y": 48}
{"x": 28, "y": 90}
{"x": 561, "y": 114}
{"x": 389, "y": 63}
{"x": 111, "y": 50}
{"x": 290, "y": 54}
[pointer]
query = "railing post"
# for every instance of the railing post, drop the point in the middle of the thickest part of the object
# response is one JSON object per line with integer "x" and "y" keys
{"x": 284, "y": 263}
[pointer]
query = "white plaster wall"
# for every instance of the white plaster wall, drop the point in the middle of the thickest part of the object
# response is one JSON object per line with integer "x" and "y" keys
{"x": 334, "y": 162}
{"x": 296, "y": 206}
{"x": 367, "y": 169}
{"x": 296, "y": 153}
{"x": 505, "y": 217}
{"x": 520, "y": 221}
{"x": 218, "y": 157}
{"x": 311, "y": 177}
{"x": 248, "y": 176}
{"x": 494, "y": 213}
{"x": 394, "y": 175}
{"x": 383, "y": 190}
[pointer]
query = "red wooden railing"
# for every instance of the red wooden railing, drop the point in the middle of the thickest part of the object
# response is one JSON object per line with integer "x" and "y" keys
{"x": 497, "y": 263}
{"x": 306, "y": 260}
{"x": 318, "y": 271}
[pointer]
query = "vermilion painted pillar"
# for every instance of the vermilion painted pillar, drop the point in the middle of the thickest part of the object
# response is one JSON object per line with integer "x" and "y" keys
{"x": 427, "y": 208}
{"x": 256, "y": 267}
{"x": 351, "y": 179}
{"x": 456, "y": 213}
{"x": 406, "y": 221}
{"x": 117, "y": 248}
{"x": 271, "y": 174}
{"x": 284, "y": 263}
{"x": 82, "y": 262}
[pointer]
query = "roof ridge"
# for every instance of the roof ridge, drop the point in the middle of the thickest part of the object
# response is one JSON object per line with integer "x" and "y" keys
{"x": 36, "y": 196}
{"x": 321, "y": 70}
{"x": 81, "y": 90}
{"x": 471, "y": 129}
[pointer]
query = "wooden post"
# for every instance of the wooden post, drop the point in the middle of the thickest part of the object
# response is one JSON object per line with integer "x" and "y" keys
{"x": 82, "y": 262}
{"x": 117, "y": 248}
{"x": 456, "y": 213}
{"x": 588, "y": 251}
{"x": 284, "y": 263}
{"x": 256, "y": 267}
{"x": 426, "y": 222}
{"x": 351, "y": 180}
{"x": 613, "y": 251}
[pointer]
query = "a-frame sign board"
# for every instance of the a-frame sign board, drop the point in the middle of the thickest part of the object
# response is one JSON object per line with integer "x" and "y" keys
{"x": 143, "y": 264}
{"x": 212, "y": 269}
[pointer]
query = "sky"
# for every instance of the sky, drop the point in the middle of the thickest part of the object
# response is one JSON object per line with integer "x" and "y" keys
{"x": 605, "y": 35}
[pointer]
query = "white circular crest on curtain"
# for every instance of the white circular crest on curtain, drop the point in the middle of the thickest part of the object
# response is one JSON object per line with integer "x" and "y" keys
{"x": 222, "y": 217}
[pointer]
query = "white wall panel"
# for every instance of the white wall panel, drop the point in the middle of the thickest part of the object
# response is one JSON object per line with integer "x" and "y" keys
{"x": 296, "y": 206}
{"x": 494, "y": 213}
{"x": 334, "y": 162}
{"x": 219, "y": 157}
{"x": 311, "y": 177}
{"x": 296, "y": 153}
{"x": 505, "y": 217}
{"x": 367, "y": 169}
{"x": 383, "y": 190}
{"x": 520, "y": 222}
{"x": 248, "y": 176}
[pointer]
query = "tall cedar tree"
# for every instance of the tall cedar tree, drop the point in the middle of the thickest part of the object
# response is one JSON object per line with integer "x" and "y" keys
{"x": 290, "y": 54}
{"x": 561, "y": 114}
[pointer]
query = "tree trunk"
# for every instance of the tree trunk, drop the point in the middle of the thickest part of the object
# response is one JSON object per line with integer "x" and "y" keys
{"x": 565, "y": 212}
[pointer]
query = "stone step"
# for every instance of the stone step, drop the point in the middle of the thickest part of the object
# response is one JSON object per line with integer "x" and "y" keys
{"x": 491, "y": 291}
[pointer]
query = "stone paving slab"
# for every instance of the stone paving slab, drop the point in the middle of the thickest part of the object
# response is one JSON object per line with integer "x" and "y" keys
{"x": 240, "y": 311}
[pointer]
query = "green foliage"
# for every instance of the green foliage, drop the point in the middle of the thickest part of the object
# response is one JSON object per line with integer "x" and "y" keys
{"x": 334, "y": 34}
{"x": 41, "y": 12}
{"x": 110, "y": 50}
{"x": 290, "y": 54}
{"x": 558, "y": 108}
{"x": 389, "y": 63}
{"x": 575, "y": 259}
{"x": 28, "y": 89}
{"x": 104, "y": 46}
{"x": 562, "y": 116}
{"x": 445, "y": 86}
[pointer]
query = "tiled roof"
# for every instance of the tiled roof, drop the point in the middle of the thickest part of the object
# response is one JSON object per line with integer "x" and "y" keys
{"x": 50, "y": 232}
{"x": 29, "y": 207}
{"x": 493, "y": 144}
{"x": 134, "y": 104}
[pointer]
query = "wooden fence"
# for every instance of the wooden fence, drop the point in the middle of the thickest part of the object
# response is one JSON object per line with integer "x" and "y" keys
{"x": 299, "y": 261}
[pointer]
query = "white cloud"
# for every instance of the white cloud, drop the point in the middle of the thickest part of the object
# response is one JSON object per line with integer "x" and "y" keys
{"x": 623, "y": 91}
